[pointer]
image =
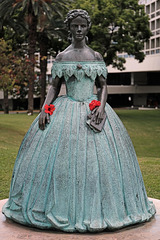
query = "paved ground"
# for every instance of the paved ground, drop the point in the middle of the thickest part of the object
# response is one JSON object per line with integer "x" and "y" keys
{"x": 148, "y": 231}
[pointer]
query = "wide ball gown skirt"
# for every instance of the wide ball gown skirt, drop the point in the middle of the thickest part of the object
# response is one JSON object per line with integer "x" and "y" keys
{"x": 70, "y": 178}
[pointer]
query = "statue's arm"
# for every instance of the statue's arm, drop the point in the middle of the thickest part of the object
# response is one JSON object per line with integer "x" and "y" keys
{"x": 51, "y": 96}
{"x": 102, "y": 97}
{"x": 101, "y": 85}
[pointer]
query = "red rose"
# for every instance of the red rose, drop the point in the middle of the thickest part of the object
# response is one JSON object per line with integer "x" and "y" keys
{"x": 49, "y": 108}
{"x": 94, "y": 104}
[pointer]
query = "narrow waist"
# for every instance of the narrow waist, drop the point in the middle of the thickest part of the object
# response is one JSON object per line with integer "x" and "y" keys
{"x": 83, "y": 100}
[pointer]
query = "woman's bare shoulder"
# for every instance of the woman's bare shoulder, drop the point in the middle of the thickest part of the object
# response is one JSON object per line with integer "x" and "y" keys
{"x": 98, "y": 56}
{"x": 60, "y": 56}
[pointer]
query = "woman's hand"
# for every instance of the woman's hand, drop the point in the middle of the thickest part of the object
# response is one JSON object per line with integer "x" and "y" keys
{"x": 99, "y": 113}
{"x": 43, "y": 119}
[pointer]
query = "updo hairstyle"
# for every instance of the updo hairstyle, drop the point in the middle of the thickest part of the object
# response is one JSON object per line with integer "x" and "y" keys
{"x": 76, "y": 13}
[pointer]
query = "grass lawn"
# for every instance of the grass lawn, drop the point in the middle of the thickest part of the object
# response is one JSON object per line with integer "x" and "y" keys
{"x": 12, "y": 130}
{"x": 143, "y": 128}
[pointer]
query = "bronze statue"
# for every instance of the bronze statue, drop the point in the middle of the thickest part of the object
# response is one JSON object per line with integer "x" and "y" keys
{"x": 76, "y": 169}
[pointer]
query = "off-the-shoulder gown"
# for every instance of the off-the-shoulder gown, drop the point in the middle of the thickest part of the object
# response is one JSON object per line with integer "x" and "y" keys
{"x": 70, "y": 178}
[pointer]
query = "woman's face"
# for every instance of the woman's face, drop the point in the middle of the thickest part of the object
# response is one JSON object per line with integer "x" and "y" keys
{"x": 79, "y": 28}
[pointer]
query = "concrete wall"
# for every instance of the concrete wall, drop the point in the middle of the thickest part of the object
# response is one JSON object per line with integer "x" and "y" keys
{"x": 151, "y": 63}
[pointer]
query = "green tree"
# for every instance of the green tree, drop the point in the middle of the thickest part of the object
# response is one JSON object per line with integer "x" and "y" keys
{"x": 33, "y": 11}
{"x": 117, "y": 26}
{"x": 13, "y": 71}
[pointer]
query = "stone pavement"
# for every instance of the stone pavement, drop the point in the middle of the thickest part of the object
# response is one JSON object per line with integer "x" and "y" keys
{"x": 13, "y": 231}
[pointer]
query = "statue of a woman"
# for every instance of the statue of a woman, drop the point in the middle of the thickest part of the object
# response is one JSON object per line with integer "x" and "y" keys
{"x": 68, "y": 175}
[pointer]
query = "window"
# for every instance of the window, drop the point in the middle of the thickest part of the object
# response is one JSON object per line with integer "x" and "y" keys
{"x": 153, "y": 7}
{"x": 148, "y": 9}
{"x": 153, "y": 15}
{"x": 157, "y": 42}
{"x": 158, "y": 4}
{"x": 119, "y": 79}
{"x": 158, "y": 23}
{"x": 147, "y": 44}
{"x": 158, "y": 13}
{"x": 153, "y": 25}
{"x": 153, "y": 43}
{"x": 158, "y": 32}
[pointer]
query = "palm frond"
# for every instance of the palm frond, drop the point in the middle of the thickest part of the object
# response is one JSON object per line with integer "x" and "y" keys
{"x": 48, "y": 9}
{"x": 36, "y": 8}
{"x": 25, "y": 4}
{"x": 15, "y": 7}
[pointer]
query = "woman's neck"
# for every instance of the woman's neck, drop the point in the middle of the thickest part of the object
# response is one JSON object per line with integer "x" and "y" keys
{"x": 77, "y": 44}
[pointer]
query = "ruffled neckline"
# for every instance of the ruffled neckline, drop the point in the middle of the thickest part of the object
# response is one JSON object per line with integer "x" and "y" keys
{"x": 79, "y": 69}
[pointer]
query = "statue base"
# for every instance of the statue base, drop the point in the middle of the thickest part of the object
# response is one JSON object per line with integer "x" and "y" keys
{"x": 10, "y": 230}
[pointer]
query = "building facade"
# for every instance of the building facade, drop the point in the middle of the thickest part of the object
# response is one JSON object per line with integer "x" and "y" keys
{"x": 139, "y": 83}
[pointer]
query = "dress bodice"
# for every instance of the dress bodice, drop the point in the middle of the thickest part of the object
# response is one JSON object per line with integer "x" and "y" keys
{"x": 79, "y": 77}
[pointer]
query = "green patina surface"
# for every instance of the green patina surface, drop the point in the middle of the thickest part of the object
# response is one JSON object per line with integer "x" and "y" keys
{"x": 68, "y": 177}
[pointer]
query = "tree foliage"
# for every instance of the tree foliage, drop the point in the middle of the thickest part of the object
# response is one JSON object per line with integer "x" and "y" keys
{"x": 13, "y": 68}
{"x": 37, "y": 14}
{"x": 117, "y": 26}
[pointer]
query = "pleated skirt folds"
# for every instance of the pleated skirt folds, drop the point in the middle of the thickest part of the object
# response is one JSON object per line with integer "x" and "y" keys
{"x": 70, "y": 178}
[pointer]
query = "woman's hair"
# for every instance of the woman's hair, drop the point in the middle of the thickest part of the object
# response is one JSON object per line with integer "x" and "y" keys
{"x": 76, "y": 13}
